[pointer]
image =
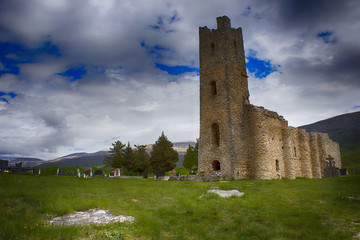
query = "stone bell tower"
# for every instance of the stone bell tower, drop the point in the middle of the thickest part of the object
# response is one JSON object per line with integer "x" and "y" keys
{"x": 223, "y": 98}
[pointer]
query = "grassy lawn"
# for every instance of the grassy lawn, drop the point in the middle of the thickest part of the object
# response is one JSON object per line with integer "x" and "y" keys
{"x": 276, "y": 209}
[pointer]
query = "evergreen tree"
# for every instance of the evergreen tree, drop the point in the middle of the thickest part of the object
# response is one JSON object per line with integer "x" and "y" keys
{"x": 163, "y": 156}
{"x": 115, "y": 158}
{"x": 190, "y": 158}
{"x": 141, "y": 160}
{"x": 128, "y": 161}
{"x": 197, "y": 146}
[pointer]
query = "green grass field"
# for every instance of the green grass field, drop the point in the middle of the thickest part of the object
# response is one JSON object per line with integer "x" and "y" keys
{"x": 276, "y": 209}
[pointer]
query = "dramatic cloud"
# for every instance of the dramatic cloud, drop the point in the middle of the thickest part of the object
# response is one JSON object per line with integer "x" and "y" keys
{"x": 79, "y": 76}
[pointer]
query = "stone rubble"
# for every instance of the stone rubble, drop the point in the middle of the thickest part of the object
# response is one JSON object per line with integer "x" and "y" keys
{"x": 226, "y": 193}
{"x": 92, "y": 216}
{"x": 353, "y": 198}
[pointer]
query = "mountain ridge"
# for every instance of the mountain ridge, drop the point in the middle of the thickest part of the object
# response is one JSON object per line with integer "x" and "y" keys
{"x": 344, "y": 129}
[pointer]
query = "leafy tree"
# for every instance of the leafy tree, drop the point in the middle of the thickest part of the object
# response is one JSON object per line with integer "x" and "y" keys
{"x": 182, "y": 171}
{"x": 116, "y": 157}
{"x": 50, "y": 170}
{"x": 141, "y": 160}
{"x": 163, "y": 156}
{"x": 190, "y": 158}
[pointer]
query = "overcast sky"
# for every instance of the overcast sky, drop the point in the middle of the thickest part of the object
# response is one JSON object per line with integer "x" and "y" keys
{"x": 79, "y": 75}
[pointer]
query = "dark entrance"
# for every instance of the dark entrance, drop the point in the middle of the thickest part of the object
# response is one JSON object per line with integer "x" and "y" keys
{"x": 216, "y": 165}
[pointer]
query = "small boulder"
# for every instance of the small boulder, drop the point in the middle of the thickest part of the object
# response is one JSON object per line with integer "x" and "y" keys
{"x": 226, "y": 193}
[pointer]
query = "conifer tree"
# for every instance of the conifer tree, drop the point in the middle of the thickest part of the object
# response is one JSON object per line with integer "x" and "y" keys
{"x": 197, "y": 146}
{"x": 163, "y": 156}
{"x": 190, "y": 158}
{"x": 141, "y": 160}
{"x": 116, "y": 155}
{"x": 128, "y": 159}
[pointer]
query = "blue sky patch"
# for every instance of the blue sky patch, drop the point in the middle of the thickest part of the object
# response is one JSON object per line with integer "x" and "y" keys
{"x": 154, "y": 50}
{"x": 74, "y": 73}
{"x": 159, "y": 24}
{"x": 12, "y": 54}
{"x": 176, "y": 70}
{"x": 4, "y": 97}
{"x": 76, "y": 149}
{"x": 260, "y": 68}
{"x": 49, "y": 48}
{"x": 327, "y": 36}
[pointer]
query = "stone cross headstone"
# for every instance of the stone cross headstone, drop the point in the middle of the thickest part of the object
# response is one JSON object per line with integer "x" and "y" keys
{"x": 330, "y": 168}
{"x": 39, "y": 172}
{"x": 91, "y": 172}
{"x": 78, "y": 173}
{"x": 57, "y": 171}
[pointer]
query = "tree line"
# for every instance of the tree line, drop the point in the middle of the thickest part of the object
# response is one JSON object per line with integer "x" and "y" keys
{"x": 162, "y": 158}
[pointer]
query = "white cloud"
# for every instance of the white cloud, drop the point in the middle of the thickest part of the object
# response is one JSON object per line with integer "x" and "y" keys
{"x": 124, "y": 96}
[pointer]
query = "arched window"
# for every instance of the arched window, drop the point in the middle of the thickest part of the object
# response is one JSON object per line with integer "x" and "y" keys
{"x": 216, "y": 165}
{"x": 213, "y": 88}
{"x": 215, "y": 132}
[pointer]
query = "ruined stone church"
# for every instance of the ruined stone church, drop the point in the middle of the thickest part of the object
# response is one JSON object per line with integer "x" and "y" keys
{"x": 239, "y": 140}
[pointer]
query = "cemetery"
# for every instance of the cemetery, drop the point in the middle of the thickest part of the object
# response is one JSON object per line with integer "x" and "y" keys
{"x": 248, "y": 209}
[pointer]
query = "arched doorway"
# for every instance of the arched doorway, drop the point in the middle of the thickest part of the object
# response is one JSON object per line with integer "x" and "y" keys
{"x": 216, "y": 165}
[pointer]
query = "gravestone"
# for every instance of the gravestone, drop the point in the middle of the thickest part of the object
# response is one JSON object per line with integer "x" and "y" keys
{"x": 158, "y": 174}
{"x": 60, "y": 171}
{"x": 331, "y": 170}
{"x": 344, "y": 172}
{"x": 78, "y": 173}
{"x": 117, "y": 172}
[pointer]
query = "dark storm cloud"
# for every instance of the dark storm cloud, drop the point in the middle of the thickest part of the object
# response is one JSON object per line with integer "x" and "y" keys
{"x": 342, "y": 68}
{"x": 308, "y": 14}
{"x": 325, "y": 49}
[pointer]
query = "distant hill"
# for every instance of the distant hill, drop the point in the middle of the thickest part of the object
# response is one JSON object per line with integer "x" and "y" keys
{"x": 344, "y": 129}
{"x": 183, "y": 144}
{"x": 83, "y": 159}
{"x": 77, "y": 160}
{"x": 26, "y": 162}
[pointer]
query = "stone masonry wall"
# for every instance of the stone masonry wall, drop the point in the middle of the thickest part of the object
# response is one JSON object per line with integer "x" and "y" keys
{"x": 239, "y": 140}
